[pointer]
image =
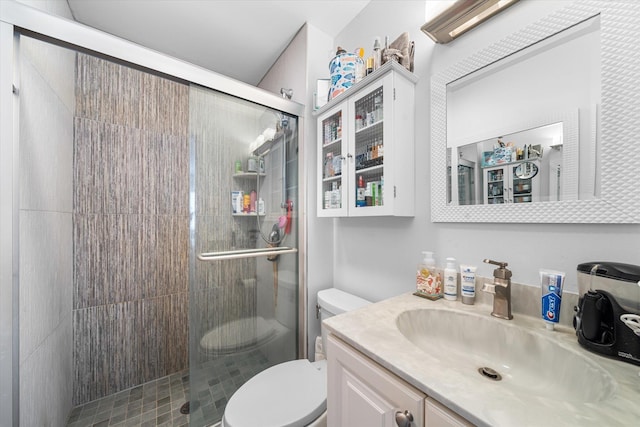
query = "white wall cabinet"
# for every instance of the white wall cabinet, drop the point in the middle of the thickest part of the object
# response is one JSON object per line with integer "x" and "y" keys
{"x": 366, "y": 147}
{"x": 502, "y": 185}
{"x": 361, "y": 393}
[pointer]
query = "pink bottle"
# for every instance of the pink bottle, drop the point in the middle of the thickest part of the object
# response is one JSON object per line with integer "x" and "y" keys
{"x": 252, "y": 203}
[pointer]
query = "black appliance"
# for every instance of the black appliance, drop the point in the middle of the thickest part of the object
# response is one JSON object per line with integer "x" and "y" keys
{"x": 607, "y": 317}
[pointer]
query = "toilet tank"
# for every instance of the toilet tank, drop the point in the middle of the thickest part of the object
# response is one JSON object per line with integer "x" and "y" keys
{"x": 334, "y": 301}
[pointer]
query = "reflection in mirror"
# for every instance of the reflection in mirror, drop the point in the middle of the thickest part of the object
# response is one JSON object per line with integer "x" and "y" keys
{"x": 561, "y": 71}
{"x": 526, "y": 170}
{"x": 582, "y": 58}
{"x": 522, "y": 167}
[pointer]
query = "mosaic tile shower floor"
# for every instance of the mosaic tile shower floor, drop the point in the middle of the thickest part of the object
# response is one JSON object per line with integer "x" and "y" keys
{"x": 158, "y": 402}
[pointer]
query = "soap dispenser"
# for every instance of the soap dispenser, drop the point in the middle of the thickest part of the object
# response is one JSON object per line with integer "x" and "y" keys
{"x": 428, "y": 280}
{"x": 451, "y": 280}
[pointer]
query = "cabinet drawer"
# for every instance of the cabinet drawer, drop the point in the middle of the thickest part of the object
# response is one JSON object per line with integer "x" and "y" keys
{"x": 438, "y": 415}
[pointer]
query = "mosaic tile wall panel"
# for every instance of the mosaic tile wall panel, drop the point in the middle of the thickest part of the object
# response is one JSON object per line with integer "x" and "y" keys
{"x": 130, "y": 228}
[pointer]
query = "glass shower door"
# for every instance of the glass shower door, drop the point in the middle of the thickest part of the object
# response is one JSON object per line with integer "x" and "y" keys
{"x": 243, "y": 276}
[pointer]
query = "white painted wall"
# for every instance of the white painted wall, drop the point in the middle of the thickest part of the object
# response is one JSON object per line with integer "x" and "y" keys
{"x": 300, "y": 65}
{"x": 376, "y": 257}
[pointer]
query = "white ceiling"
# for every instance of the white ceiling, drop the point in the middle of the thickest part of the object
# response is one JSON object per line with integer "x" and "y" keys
{"x": 238, "y": 38}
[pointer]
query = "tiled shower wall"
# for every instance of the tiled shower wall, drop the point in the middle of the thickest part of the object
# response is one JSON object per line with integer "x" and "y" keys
{"x": 46, "y": 250}
{"x": 130, "y": 228}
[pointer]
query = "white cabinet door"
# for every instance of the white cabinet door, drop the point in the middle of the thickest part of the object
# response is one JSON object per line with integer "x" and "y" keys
{"x": 437, "y": 415}
{"x": 361, "y": 393}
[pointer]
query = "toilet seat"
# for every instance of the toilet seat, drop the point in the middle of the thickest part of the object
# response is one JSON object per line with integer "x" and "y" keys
{"x": 290, "y": 394}
{"x": 239, "y": 335}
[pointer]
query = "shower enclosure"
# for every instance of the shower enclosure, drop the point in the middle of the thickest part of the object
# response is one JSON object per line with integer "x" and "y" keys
{"x": 244, "y": 234}
{"x": 127, "y": 254}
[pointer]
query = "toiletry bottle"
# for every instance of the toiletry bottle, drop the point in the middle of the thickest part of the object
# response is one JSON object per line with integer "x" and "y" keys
{"x": 370, "y": 65}
{"x": 428, "y": 281}
{"x": 377, "y": 108}
{"x": 252, "y": 201}
{"x": 468, "y": 283}
{"x": 360, "y": 200}
{"x": 451, "y": 280}
{"x": 246, "y": 203}
{"x": 360, "y": 67}
{"x": 377, "y": 55}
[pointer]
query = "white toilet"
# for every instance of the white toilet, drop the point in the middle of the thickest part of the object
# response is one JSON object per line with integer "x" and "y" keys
{"x": 291, "y": 394}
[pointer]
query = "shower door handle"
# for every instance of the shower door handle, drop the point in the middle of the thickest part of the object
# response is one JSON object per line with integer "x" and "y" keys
{"x": 245, "y": 253}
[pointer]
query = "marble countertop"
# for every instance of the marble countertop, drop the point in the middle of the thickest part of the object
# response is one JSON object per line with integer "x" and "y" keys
{"x": 372, "y": 330}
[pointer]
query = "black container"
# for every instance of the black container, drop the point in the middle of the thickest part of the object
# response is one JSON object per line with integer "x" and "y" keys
{"x": 611, "y": 290}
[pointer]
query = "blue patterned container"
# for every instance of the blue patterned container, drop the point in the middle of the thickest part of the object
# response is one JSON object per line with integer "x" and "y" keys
{"x": 342, "y": 69}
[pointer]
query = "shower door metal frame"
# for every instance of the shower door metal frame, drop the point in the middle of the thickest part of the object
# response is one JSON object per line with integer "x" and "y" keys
{"x": 15, "y": 18}
{"x": 9, "y": 221}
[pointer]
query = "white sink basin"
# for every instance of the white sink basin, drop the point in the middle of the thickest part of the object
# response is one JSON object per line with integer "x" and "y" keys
{"x": 529, "y": 363}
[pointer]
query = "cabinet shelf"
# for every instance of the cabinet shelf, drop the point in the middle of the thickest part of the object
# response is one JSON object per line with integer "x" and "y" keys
{"x": 330, "y": 143}
{"x": 371, "y": 126}
{"x": 332, "y": 178}
{"x": 370, "y": 169}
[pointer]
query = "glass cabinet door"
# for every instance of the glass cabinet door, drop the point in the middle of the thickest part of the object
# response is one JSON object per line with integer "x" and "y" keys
{"x": 332, "y": 163}
{"x": 495, "y": 186}
{"x": 522, "y": 188}
{"x": 367, "y": 111}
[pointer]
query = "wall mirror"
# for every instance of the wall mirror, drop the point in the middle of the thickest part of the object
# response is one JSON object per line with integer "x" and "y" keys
{"x": 558, "y": 96}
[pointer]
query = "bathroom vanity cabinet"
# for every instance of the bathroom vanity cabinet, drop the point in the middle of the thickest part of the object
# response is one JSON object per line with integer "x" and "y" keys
{"x": 502, "y": 185}
{"x": 366, "y": 147}
{"x": 362, "y": 393}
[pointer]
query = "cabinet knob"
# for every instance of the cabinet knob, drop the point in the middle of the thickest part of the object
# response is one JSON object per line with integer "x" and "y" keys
{"x": 404, "y": 419}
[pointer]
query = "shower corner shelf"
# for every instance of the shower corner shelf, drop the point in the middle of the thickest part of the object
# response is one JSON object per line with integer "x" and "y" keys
{"x": 248, "y": 175}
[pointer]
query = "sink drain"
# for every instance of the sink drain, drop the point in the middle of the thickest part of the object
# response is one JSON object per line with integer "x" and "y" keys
{"x": 490, "y": 373}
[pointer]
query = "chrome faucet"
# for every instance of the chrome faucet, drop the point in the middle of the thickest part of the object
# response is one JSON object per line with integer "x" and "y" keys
{"x": 501, "y": 290}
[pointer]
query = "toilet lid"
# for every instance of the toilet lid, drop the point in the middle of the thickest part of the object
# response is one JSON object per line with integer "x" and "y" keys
{"x": 291, "y": 394}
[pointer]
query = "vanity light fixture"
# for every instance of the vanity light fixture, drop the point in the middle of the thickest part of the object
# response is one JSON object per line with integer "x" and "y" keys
{"x": 460, "y": 17}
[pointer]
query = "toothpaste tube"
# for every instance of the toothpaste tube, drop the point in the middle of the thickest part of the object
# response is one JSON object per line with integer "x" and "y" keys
{"x": 551, "y": 283}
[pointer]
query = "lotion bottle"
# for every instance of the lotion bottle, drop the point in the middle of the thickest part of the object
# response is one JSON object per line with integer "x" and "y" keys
{"x": 468, "y": 283}
{"x": 451, "y": 280}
